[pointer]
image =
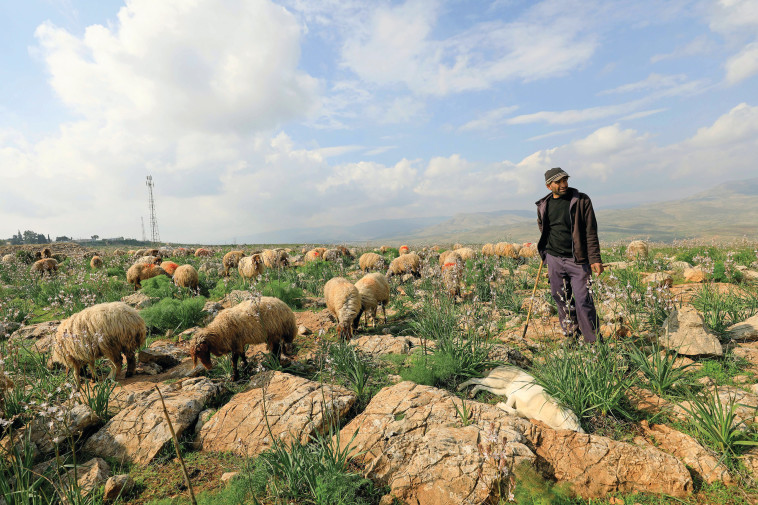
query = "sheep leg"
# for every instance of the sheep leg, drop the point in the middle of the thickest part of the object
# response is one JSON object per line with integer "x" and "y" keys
{"x": 235, "y": 373}
{"x": 131, "y": 364}
{"x": 384, "y": 313}
{"x": 357, "y": 319}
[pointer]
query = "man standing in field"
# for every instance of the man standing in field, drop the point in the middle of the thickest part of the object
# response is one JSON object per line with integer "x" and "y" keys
{"x": 571, "y": 250}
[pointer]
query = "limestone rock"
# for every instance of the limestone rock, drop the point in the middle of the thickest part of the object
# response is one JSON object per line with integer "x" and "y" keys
{"x": 89, "y": 476}
{"x": 695, "y": 274}
{"x": 294, "y": 407}
{"x": 680, "y": 266}
{"x": 746, "y": 330}
{"x": 377, "y": 345}
{"x": 35, "y": 331}
{"x": 139, "y": 300}
{"x": 164, "y": 357}
{"x": 228, "y": 476}
{"x": 702, "y": 462}
{"x": 616, "y": 265}
{"x": 139, "y": 431}
{"x": 685, "y": 333}
{"x": 235, "y": 297}
{"x": 659, "y": 279}
{"x": 541, "y": 307}
{"x": 750, "y": 275}
{"x": 637, "y": 249}
{"x": 118, "y": 486}
{"x": 747, "y": 351}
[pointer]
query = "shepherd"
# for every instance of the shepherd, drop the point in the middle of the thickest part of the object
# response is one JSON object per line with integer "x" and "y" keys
{"x": 571, "y": 250}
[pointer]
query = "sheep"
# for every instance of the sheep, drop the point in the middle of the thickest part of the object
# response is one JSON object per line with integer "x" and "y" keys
{"x": 231, "y": 260}
{"x": 374, "y": 290}
{"x": 275, "y": 258}
{"x": 8, "y": 258}
{"x": 452, "y": 274}
{"x": 466, "y": 253}
{"x": 118, "y": 252}
{"x": 181, "y": 251}
{"x": 637, "y": 249}
{"x": 185, "y": 276}
{"x": 528, "y": 250}
{"x": 148, "y": 260}
{"x": 453, "y": 255}
{"x": 384, "y": 249}
{"x": 346, "y": 252}
{"x": 262, "y": 320}
{"x": 139, "y": 252}
{"x": 48, "y": 265}
{"x": 488, "y": 250}
{"x": 371, "y": 261}
{"x": 406, "y": 264}
{"x": 313, "y": 255}
{"x": 344, "y": 302}
{"x": 250, "y": 267}
{"x": 404, "y": 249}
{"x": 203, "y": 252}
{"x": 104, "y": 330}
{"x": 332, "y": 255}
{"x": 96, "y": 262}
{"x": 46, "y": 253}
{"x": 37, "y": 255}
{"x": 141, "y": 271}
{"x": 170, "y": 267}
{"x": 152, "y": 252}
{"x": 506, "y": 250}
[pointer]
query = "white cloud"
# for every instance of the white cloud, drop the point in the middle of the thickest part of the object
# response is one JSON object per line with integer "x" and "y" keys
{"x": 488, "y": 120}
{"x": 738, "y": 125}
{"x": 743, "y": 64}
{"x": 576, "y": 115}
{"x": 700, "y": 45}
{"x": 652, "y": 82}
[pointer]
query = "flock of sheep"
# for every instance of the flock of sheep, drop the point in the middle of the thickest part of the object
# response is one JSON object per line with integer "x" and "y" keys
{"x": 115, "y": 329}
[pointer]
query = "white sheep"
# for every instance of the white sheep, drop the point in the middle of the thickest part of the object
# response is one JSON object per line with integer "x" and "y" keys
{"x": 374, "y": 290}
{"x": 344, "y": 302}
{"x": 466, "y": 253}
{"x": 250, "y": 267}
{"x": 371, "y": 261}
{"x": 231, "y": 260}
{"x": 48, "y": 265}
{"x": 409, "y": 263}
{"x": 261, "y": 320}
{"x": 141, "y": 271}
{"x": 186, "y": 276}
{"x": 104, "y": 330}
{"x": 275, "y": 258}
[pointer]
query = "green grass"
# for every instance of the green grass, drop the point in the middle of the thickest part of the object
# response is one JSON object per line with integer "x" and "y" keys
{"x": 173, "y": 314}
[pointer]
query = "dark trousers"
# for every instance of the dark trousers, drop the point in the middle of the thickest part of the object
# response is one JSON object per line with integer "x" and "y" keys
{"x": 570, "y": 287}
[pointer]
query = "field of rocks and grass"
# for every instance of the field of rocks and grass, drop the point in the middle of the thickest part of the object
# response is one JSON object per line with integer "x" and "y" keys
{"x": 668, "y": 402}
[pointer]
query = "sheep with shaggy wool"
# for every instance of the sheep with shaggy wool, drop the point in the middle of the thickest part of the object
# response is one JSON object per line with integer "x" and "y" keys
{"x": 152, "y": 252}
{"x": 46, "y": 253}
{"x": 452, "y": 274}
{"x": 139, "y": 252}
{"x": 313, "y": 255}
{"x": 404, "y": 249}
{"x": 466, "y": 253}
{"x": 203, "y": 252}
{"x": 488, "y": 250}
{"x": 96, "y": 262}
{"x": 275, "y": 258}
{"x": 506, "y": 250}
{"x": 344, "y": 302}
{"x": 374, "y": 290}
{"x": 48, "y": 265}
{"x": 181, "y": 251}
{"x": 371, "y": 261}
{"x": 231, "y": 260}
{"x": 383, "y": 249}
{"x": 454, "y": 256}
{"x": 104, "y": 330}
{"x": 332, "y": 255}
{"x": 250, "y": 267}
{"x": 261, "y": 320}
{"x": 170, "y": 267}
{"x": 528, "y": 250}
{"x": 142, "y": 271}
{"x": 9, "y": 258}
{"x": 148, "y": 260}
{"x": 185, "y": 276}
{"x": 405, "y": 264}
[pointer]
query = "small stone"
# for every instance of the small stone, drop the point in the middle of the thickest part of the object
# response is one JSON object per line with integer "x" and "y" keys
{"x": 228, "y": 476}
{"x": 303, "y": 330}
{"x": 118, "y": 486}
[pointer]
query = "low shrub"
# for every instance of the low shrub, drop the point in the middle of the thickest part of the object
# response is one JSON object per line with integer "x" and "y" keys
{"x": 286, "y": 292}
{"x": 160, "y": 287}
{"x": 176, "y": 315}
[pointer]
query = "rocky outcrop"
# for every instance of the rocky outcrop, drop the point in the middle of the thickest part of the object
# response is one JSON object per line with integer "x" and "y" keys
{"x": 695, "y": 274}
{"x": 139, "y": 300}
{"x": 40, "y": 335}
{"x": 378, "y": 345}
{"x": 744, "y": 331}
{"x": 279, "y": 405}
{"x": 139, "y": 431}
{"x": 659, "y": 279}
{"x": 118, "y": 486}
{"x": 88, "y": 477}
{"x": 685, "y": 333}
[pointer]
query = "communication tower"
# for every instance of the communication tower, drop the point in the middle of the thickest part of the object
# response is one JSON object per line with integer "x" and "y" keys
{"x": 154, "y": 235}
{"x": 144, "y": 237}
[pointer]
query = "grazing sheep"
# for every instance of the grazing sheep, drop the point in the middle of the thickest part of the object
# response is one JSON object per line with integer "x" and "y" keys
{"x": 332, "y": 254}
{"x": 139, "y": 252}
{"x": 406, "y": 264}
{"x": 275, "y": 258}
{"x": 185, "y": 276}
{"x": 488, "y": 250}
{"x": 47, "y": 253}
{"x": 181, "y": 251}
{"x": 141, "y": 271}
{"x": 313, "y": 255}
{"x": 96, "y": 262}
{"x": 637, "y": 249}
{"x": 170, "y": 267}
{"x": 384, "y": 249}
{"x": 506, "y": 250}
{"x": 37, "y": 255}
{"x": 371, "y": 261}
{"x": 231, "y": 260}
{"x": 466, "y": 253}
{"x": 152, "y": 252}
{"x": 203, "y": 252}
{"x": 344, "y": 302}
{"x": 454, "y": 256}
{"x": 48, "y": 265}
{"x": 452, "y": 274}
{"x": 528, "y": 250}
{"x": 374, "y": 290}
{"x": 8, "y": 258}
{"x": 250, "y": 267}
{"x": 346, "y": 252}
{"x": 148, "y": 260}
{"x": 104, "y": 330}
{"x": 118, "y": 252}
{"x": 404, "y": 249}
{"x": 261, "y": 320}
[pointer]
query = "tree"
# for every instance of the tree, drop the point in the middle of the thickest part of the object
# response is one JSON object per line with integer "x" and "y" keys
{"x": 63, "y": 238}
{"x": 95, "y": 237}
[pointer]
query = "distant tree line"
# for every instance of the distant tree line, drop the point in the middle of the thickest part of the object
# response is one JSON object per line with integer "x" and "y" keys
{"x": 32, "y": 237}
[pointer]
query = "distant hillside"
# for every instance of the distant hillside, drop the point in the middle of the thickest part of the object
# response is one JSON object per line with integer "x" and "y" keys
{"x": 727, "y": 211}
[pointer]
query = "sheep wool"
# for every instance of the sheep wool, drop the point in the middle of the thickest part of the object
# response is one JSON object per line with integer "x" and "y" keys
{"x": 8, "y": 258}
{"x": 170, "y": 267}
{"x": 46, "y": 253}
{"x": 404, "y": 249}
{"x": 488, "y": 250}
{"x": 384, "y": 249}
{"x": 637, "y": 249}
{"x": 104, "y": 330}
{"x": 528, "y": 250}
{"x": 466, "y": 253}
{"x": 449, "y": 256}
{"x": 203, "y": 252}
{"x": 344, "y": 302}
{"x": 374, "y": 290}
{"x": 313, "y": 255}
{"x": 405, "y": 264}
{"x": 148, "y": 260}
{"x": 96, "y": 262}
{"x": 250, "y": 267}
{"x": 141, "y": 271}
{"x": 506, "y": 250}
{"x": 185, "y": 276}
{"x": 48, "y": 265}
{"x": 371, "y": 261}
{"x": 262, "y": 320}
{"x": 231, "y": 260}
{"x": 275, "y": 258}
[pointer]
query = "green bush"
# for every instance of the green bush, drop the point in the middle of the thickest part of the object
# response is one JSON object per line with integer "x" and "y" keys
{"x": 172, "y": 314}
{"x": 117, "y": 272}
{"x": 160, "y": 287}
{"x": 285, "y": 291}
{"x": 721, "y": 310}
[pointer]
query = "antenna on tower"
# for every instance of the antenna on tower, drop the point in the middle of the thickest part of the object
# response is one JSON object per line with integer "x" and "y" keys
{"x": 144, "y": 237}
{"x": 154, "y": 236}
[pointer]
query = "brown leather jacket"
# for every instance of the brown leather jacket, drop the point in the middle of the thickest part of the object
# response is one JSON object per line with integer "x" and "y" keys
{"x": 586, "y": 245}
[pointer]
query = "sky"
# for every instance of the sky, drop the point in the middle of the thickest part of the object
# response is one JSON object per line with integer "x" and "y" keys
{"x": 253, "y": 115}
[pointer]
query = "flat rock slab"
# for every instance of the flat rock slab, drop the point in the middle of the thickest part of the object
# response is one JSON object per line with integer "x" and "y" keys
{"x": 378, "y": 345}
{"x": 35, "y": 331}
{"x": 293, "y": 407}
{"x": 139, "y": 431}
{"x": 140, "y": 300}
{"x": 89, "y": 476}
{"x": 744, "y": 331}
{"x": 747, "y": 351}
{"x": 412, "y": 439}
{"x": 685, "y": 333}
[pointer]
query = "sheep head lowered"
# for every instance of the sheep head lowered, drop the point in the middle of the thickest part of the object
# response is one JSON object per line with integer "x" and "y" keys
{"x": 201, "y": 351}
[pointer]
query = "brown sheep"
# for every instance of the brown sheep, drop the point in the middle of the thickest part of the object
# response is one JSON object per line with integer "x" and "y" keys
{"x": 404, "y": 249}
{"x": 104, "y": 330}
{"x": 250, "y": 267}
{"x": 263, "y": 320}
{"x": 231, "y": 260}
{"x": 185, "y": 276}
{"x": 275, "y": 258}
{"x": 375, "y": 291}
{"x": 48, "y": 265}
{"x": 47, "y": 253}
{"x": 405, "y": 264}
{"x": 371, "y": 261}
{"x": 344, "y": 302}
{"x": 96, "y": 262}
{"x": 141, "y": 271}
{"x": 203, "y": 252}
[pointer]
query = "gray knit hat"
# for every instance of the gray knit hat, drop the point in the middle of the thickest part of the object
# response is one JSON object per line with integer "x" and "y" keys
{"x": 554, "y": 174}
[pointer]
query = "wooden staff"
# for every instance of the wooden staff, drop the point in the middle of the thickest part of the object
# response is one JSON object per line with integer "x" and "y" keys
{"x": 531, "y": 304}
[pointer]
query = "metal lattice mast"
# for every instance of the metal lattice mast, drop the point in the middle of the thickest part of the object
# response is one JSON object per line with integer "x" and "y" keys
{"x": 144, "y": 237}
{"x": 154, "y": 235}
